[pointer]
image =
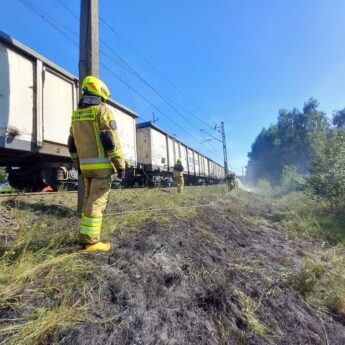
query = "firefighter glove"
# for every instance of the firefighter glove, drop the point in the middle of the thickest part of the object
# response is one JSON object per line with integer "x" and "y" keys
{"x": 121, "y": 173}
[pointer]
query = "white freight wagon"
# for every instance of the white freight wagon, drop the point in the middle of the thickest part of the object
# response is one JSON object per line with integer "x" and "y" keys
{"x": 158, "y": 152}
{"x": 202, "y": 165}
{"x": 152, "y": 149}
{"x": 196, "y": 164}
{"x": 190, "y": 157}
{"x": 207, "y": 169}
{"x": 184, "y": 157}
{"x": 126, "y": 126}
{"x": 171, "y": 152}
{"x": 37, "y": 98}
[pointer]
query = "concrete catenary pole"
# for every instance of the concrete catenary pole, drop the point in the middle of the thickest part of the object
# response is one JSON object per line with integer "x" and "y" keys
{"x": 224, "y": 150}
{"x": 88, "y": 56}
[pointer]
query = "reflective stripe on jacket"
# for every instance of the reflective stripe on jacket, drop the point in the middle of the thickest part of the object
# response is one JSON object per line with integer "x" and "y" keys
{"x": 95, "y": 163}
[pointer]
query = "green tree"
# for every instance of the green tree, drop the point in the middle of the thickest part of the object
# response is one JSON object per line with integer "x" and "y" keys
{"x": 287, "y": 143}
{"x": 291, "y": 180}
{"x": 339, "y": 118}
{"x": 327, "y": 167}
{"x": 264, "y": 156}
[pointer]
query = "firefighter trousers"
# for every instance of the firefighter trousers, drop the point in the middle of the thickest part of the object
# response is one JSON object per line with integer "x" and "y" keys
{"x": 96, "y": 193}
{"x": 179, "y": 182}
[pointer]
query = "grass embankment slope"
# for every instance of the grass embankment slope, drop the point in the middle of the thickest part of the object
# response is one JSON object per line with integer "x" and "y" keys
{"x": 241, "y": 270}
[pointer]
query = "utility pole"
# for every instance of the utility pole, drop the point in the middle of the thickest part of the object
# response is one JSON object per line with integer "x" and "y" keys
{"x": 88, "y": 57}
{"x": 224, "y": 149}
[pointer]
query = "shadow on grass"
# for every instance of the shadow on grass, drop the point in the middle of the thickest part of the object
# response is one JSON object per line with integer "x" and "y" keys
{"x": 58, "y": 211}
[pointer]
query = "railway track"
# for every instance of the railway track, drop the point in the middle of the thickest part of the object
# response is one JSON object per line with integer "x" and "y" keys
{"x": 15, "y": 194}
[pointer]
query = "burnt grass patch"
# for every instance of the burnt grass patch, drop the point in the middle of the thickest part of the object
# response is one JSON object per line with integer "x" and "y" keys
{"x": 214, "y": 279}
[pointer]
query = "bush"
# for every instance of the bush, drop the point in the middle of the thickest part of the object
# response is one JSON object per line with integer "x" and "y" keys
{"x": 264, "y": 187}
{"x": 292, "y": 181}
{"x": 327, "y": 168}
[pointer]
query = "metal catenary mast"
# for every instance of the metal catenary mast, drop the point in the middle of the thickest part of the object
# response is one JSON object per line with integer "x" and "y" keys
{"x": 221, "y": 130}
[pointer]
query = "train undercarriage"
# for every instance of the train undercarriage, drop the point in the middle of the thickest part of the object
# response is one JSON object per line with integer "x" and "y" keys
{"x": 32, "y": 171}
{"x": 57, "y": 176}
{"x": 43, "y": 177}
{"x": 36, "y": 172}
{"x": 142, "y": 178}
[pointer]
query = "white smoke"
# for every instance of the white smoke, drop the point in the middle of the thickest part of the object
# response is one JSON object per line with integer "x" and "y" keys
{"x": 241, "y": 186}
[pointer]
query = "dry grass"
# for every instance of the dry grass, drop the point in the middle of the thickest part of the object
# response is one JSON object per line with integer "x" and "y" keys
{"x": 46, "y": 282}
{"x": 322, "y": 277}
{"x": 36, "y": 330}
{"x": 132, "y": 208}
{"x": 322, "y": 280}
{"x": 40, "y": 294}
{"x": 303, "y": 216}
{"x": 249, "y": 314}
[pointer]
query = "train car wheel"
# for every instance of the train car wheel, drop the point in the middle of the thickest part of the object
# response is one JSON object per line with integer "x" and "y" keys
{"x": 25, "y": 182}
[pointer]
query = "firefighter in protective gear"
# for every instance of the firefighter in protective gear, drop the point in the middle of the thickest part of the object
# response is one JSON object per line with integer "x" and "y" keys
{"x": 96, "y": 152}
{"x": 231, "y": 179}
{"x": 178, "y": 175}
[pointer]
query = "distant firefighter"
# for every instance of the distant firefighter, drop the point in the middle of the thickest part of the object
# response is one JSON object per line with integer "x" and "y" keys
{"x": 178, "y": 175}
{"x": 231, "y": 180}
{"x": 95, "y": 149}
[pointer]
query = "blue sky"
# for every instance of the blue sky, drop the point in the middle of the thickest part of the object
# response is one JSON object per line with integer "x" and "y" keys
{"x": 236, "y": 61}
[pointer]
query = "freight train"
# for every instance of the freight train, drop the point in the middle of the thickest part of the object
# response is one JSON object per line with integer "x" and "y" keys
{"x": 37, "y": 98}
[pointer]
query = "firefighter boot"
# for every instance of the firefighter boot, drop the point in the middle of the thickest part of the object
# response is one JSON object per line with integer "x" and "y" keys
{"x": 98, "y": 247}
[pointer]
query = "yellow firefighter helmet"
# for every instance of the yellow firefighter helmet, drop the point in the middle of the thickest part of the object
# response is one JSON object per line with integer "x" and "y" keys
{"x": 95, "y": 86}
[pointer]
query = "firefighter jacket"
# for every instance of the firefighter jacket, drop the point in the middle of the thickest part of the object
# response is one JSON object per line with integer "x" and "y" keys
{"x": 94, "y": 143}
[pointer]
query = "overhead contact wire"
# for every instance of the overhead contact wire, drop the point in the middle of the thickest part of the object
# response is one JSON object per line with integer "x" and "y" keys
{"x": 50, "y": 20}
{"x": 159, "y": 73}
{"x": 152, "y": 105}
